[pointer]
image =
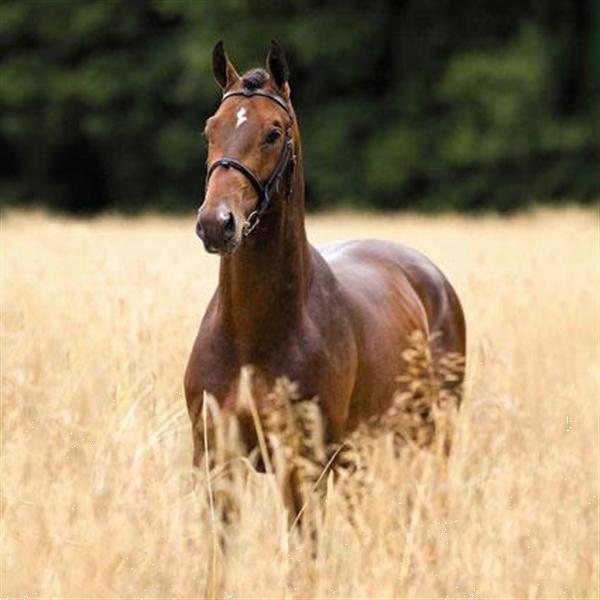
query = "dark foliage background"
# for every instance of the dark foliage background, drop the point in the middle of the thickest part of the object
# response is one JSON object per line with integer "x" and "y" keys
{"x": 426, "y": 104}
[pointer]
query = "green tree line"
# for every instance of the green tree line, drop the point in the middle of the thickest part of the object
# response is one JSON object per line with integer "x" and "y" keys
{"x": 421, "y": 104}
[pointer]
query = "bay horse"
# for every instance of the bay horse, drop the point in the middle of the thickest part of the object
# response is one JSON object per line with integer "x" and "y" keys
{"x": 334, "y": 320}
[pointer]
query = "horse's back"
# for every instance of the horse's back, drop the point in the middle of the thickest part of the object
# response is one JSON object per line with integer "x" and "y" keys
{"x": 391, "y": 291}
{"x": 392, "y": 277}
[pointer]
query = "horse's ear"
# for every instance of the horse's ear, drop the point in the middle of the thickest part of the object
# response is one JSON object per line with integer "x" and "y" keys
{"x": 278, "y": 67}
{"x": 223, "y": 70}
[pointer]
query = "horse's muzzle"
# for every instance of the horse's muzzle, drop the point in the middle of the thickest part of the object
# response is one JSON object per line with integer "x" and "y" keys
{"x": 217, "y": 230}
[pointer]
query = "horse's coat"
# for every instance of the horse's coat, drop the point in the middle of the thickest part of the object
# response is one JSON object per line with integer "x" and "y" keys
{"x": 334, "y": 320}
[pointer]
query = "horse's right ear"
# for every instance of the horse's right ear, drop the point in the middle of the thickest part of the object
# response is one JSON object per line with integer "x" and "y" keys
{"x": 223, "y": 70}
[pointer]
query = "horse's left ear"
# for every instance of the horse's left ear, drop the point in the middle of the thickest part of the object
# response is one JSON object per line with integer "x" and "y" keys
{"x": 278, "y": 67}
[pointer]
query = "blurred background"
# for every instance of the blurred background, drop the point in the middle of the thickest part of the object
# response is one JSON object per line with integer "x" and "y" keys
{"x": 420, "y": 104}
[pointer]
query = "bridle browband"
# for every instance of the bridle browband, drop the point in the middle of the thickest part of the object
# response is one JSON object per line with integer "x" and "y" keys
{"x": 262, "y": 190}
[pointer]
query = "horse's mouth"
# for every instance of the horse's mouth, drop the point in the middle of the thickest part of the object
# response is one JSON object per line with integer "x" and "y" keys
{"x": 225, "y": 250}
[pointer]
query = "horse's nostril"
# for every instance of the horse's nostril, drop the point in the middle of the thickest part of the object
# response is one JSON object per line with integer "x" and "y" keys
{"x": 227, "y": 222}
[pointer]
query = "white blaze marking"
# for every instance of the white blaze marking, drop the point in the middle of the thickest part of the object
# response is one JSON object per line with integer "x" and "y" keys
{"x": 241, "y": 117}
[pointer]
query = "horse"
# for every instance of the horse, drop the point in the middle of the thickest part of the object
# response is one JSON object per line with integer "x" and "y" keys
{"x": 335, "y": 320}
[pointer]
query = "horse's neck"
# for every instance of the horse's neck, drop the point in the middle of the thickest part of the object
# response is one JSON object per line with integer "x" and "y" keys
{"x": 264, "y": 285}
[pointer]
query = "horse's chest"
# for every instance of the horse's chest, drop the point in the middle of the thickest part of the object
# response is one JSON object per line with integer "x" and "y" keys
{"x": 217, "y": 361}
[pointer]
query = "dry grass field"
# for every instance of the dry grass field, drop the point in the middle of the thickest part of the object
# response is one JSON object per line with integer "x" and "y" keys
{"x": 97, "y": 321}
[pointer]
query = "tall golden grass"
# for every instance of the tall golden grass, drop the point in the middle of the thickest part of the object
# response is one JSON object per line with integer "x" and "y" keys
{"x": 98, "y": 500}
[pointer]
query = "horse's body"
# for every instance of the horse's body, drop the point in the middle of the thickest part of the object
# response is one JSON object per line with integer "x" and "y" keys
{"x": 334, "y": 320}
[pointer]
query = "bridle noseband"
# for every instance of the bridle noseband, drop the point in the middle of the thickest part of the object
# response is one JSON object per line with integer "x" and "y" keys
{"x": 262, "y": 190}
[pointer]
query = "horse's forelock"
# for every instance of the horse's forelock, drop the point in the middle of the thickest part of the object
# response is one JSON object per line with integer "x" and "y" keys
{"x": 255, "y": 79}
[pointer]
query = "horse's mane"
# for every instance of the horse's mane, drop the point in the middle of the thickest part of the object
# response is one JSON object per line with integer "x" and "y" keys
{"x": 255, "y": 79}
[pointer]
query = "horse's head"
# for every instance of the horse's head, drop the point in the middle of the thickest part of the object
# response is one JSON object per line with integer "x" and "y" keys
{"x": 250, "y": 149}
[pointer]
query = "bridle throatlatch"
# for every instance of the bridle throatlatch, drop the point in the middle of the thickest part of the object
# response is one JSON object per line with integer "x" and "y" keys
{"x": 263, "y": 190}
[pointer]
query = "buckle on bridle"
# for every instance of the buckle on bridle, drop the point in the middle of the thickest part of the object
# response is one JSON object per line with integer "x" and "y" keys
{"x": 251, "y": 222}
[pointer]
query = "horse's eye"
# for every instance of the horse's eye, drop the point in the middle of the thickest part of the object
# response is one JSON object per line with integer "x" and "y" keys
{"x": 272, "y": 136}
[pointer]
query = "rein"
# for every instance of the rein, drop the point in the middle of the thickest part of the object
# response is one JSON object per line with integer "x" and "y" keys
{"x": 263, "y": 190}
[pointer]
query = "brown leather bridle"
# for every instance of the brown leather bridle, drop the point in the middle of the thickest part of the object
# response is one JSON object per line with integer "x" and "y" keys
{"x": 263, "y": 190}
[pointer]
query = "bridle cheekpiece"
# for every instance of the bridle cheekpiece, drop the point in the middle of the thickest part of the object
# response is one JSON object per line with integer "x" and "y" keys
{"x": 263, "y": 190}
